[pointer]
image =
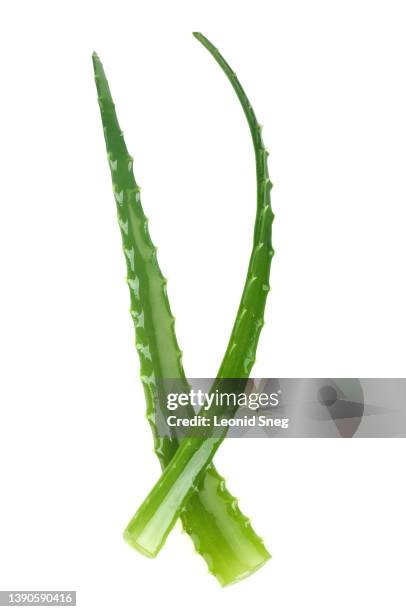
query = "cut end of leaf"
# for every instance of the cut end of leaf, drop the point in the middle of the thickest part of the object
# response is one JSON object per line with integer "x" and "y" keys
{"x": 137, "y": 546}
{"x": 246, "y": 574}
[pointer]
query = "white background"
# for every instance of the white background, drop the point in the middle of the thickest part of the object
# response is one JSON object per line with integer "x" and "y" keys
{"x": 327, "y": 80}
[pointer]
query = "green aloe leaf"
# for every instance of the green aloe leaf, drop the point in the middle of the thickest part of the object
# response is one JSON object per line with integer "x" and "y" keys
{"x": 220, "y": 532}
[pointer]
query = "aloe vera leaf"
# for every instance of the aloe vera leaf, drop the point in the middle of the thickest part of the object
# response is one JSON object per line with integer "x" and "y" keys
{"x": 156, "y": 516}
{"x": 220, "y": 532}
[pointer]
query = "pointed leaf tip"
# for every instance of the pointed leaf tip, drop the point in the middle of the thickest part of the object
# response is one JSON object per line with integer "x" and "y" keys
{"x": 95, "y": 58}
{"x": 199, "y": 36}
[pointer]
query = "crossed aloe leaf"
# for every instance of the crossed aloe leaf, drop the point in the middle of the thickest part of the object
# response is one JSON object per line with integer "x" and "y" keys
{"x": 190, "y": 487}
